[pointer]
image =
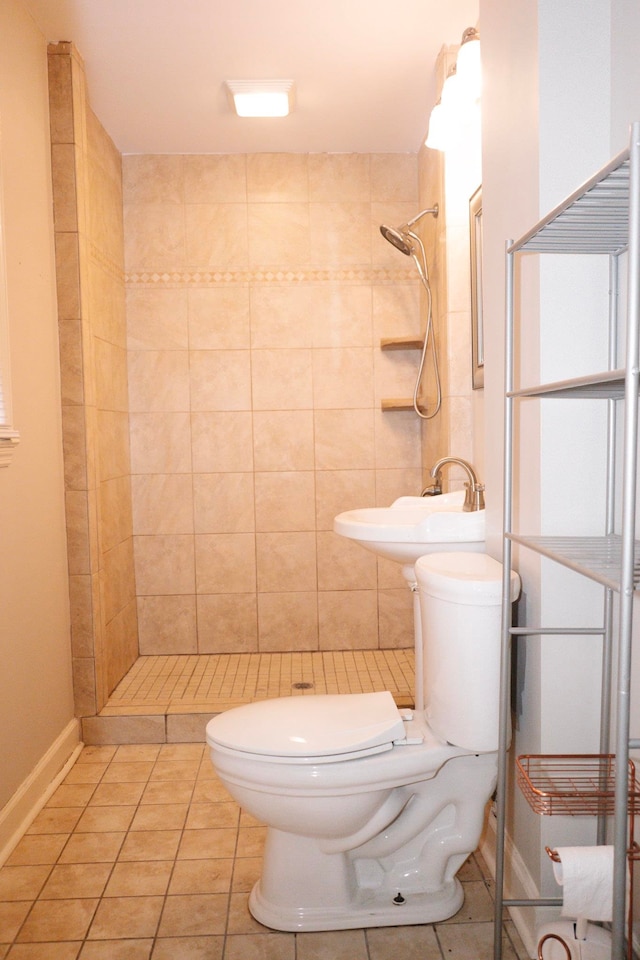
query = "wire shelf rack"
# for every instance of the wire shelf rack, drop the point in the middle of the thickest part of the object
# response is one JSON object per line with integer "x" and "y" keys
{"x": 573, "y": 784}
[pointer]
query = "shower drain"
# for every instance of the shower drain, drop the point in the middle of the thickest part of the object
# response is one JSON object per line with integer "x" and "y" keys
{"x": 301, "y": 685}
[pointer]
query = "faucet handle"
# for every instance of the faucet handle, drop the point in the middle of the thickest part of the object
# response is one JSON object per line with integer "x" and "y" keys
{"x": 474, "y": 497}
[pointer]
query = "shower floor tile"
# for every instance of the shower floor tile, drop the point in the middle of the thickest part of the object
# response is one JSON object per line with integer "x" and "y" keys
{"x": 210, "y": 683}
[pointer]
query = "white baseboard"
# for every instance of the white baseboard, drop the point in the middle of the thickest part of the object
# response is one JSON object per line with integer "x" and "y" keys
{"x": 30, "y": 797}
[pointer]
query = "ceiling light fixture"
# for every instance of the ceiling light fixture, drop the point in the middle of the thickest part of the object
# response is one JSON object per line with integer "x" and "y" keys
{"x": 261, "y": 98}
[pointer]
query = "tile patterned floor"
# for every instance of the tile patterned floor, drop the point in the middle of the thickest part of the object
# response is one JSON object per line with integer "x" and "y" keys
{"x": 140, "y": 854}
{"x": 213, "y": 682}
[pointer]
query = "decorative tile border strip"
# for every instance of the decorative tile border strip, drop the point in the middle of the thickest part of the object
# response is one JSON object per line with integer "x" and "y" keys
{"x": 266, "y": 275}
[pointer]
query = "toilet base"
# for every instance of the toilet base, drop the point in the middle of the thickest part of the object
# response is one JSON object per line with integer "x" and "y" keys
{"x": 415, "y": 909}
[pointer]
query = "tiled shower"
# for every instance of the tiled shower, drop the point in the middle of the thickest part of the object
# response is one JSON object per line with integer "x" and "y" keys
{"x": 220, "y": 320}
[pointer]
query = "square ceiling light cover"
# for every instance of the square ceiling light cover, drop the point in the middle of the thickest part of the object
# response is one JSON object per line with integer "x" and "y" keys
{"x": 261, "y": 98}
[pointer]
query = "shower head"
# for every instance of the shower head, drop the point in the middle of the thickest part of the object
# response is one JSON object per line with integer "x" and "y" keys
{"x": 400, "y": 240}
{"x": 401, "y": 237}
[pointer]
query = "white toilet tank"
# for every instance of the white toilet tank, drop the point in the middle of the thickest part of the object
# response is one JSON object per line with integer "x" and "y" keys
{"x": 460, "y": 605}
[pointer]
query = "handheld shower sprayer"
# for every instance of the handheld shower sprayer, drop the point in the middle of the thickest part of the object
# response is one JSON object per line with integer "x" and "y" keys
{"x": 407, "y": 242}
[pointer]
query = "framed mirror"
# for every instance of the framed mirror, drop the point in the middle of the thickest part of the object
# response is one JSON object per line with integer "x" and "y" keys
{"x": 477, "y": 333}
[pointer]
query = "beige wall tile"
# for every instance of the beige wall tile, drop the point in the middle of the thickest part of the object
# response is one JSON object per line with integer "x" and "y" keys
{"x": 285, "y": 501}
{"x": 164, "y": 565}
{"x": 220, "y": 379}
{"x": 81, "y": 604}
{"x": 395, "y": 612}
{"x": 222, "y": 442}
{"x": 283, "y": 440}
{"x": 119, "y": 582}
{"x": 339, "y": 177}
{"x": 158, "y": 380}
{"x": 115, "y": 511}
{"x": 348, "y": 619}
{"x": 288, "y": 621}
{"x": 281, "y": 379}
{"x": 225, "y": 563}
{"x": 157, "y": 319}
{"x": 162, "y": 503}
{"x": 167, "y": 625}
{"x": 112, "y": 438}
{"x": 282, "y": 316}
{"x": 154, "y": 236}
{"x": 111, "y": 376}
{"x": 278, "y": 234}
{"x": 396, "y": 310}
{"x": 216, "y": 235}
{"x": 397, "y": 439}
{"x": 160, "y": 442}
{"x": 339, "y": 490}
{"x": 121, "y": 643}
{"x": 223, "y": 502}
{"x": 344, "y": 439}
{"x": 219, "y": 319}
{"x": 343, "y": 378}
{"x": 60, "y": 104}
{"x": 392, "y": 483}
{"x": 78, "y": 546}
{"x": 84, "y": 686}
{"x": 277, "y": 177}
{"x": 67, "y": 276}
{"x": 65, "y": 210}
{"x": 153, "y": 179}
{"x": 394, "y": 176}
{"x": 215, "y": 179}
{"x": 71, "y": 370}
{"x": 227, "y": 622}
{"x": 74, "y": 444}
{"x": 340, "y": 315}
{"x": 343, "y": 564}
{"x": 340, "y": 233}
{"x": 286, "y": 562}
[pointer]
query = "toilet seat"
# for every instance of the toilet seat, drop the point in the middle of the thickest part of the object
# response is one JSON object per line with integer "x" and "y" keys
{"x": 323, "y": 728}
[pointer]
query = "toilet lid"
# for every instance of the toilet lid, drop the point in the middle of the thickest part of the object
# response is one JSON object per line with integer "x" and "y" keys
{"x": 320, "y": 725}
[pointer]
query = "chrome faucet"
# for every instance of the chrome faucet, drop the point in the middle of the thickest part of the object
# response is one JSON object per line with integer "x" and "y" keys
{"x": 474, "y": 496}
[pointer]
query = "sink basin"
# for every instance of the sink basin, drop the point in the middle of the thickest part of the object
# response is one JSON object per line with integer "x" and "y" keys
{"x": 413, "y": 526}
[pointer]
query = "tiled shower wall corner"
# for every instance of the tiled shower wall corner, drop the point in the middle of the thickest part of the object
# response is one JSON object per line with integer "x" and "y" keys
{"x": 258, "y": 288}
{"x": 91, "y": 307}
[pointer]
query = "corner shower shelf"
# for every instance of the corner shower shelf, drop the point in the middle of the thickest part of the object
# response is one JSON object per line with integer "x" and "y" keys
{"x": 399, "y": 343}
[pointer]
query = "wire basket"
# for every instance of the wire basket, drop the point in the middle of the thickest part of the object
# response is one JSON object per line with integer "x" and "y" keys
{"x": 573, "y": 784}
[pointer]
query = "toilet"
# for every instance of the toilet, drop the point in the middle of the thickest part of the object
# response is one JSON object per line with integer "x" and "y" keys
{"x": 371, "y": 810}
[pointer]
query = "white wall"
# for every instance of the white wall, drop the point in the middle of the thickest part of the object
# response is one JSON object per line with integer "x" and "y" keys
{"x": 36, "y": 704}
{"x": 560, "y": 90}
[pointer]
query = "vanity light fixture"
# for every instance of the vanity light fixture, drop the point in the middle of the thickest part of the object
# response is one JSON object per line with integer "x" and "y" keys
{"x": 460, "y": 98}
{"x": 261, "y": 98}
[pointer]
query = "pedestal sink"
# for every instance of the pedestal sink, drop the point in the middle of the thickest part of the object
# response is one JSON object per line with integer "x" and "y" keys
{"x": 405, "y": 531}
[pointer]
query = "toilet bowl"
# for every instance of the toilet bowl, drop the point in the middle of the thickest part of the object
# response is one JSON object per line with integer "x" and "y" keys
{"x": 370, "y": 810}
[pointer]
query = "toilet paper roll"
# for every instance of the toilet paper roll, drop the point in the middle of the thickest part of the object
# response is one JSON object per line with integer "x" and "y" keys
{"x": 586, "y": 877}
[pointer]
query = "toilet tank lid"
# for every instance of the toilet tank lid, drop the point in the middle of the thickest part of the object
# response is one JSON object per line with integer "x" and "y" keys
{"x": 309, "y": 725}
{"x": 465, "y": 578}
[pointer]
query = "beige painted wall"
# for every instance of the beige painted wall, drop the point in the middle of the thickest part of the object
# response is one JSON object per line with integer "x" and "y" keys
{"x": 35, "y": 680}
